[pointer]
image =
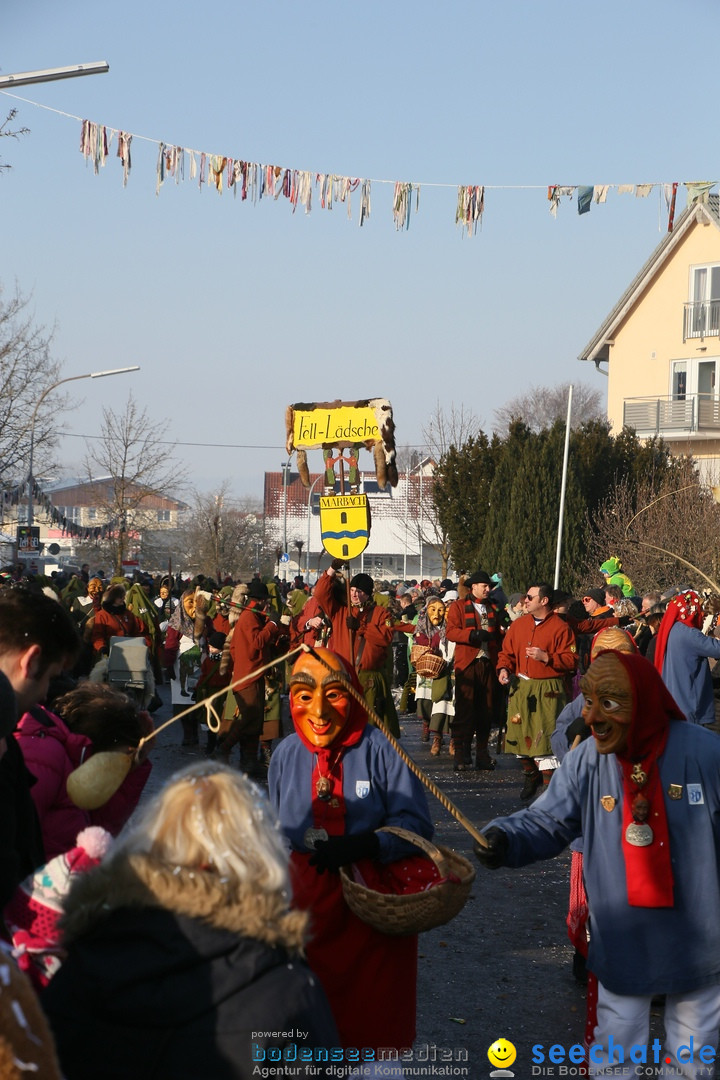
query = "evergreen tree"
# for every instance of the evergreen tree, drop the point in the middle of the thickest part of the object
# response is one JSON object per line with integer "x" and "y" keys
{"x": 461, "y": 494}
{"x": 508, "y": 452}
{"x": 499, "y": 501}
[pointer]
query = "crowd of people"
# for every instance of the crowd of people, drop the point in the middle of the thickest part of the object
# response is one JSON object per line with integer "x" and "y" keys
{"x": 197, "y": 932}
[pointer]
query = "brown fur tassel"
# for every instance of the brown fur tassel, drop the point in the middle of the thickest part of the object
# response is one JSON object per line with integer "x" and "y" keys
{"x": 303, "y": 468}
{"x": 380, "y": 466}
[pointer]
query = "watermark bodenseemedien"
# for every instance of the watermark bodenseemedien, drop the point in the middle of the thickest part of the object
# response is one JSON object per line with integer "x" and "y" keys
{"x": 290, "y": 1057}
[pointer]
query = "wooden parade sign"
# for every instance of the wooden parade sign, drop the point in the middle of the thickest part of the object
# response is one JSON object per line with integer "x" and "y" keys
{"x": 343, "y": 425}
{"x": 334, "y": 425}
{"x": 344, "y": 525}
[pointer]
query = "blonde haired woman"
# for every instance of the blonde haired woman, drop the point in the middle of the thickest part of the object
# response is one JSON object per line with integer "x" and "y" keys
{"x": 184, "y": 959}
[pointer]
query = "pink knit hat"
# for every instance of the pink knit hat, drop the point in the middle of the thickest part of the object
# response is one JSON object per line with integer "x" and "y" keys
{"x": 32, "y": 913}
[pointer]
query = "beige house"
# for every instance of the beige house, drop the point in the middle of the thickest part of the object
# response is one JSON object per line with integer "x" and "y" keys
{"x": 660, "y": 345}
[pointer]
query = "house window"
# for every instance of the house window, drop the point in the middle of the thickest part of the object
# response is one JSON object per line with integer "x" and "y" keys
{"x": 70, "y": 513}
{"x": 679, "y": 380}
{"x": 163, "y": 515}
{"x": 705, "y": 301}
{"x": 92, "y": 513}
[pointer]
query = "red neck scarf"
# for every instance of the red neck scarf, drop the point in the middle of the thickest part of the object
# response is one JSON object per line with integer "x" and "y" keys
{"x": 329, "y": 812}
{"x": 685, "y": 608}
{"x": 648, "y": 870}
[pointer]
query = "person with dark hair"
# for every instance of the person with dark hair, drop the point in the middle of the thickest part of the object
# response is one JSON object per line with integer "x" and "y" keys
{"x": 537, "y": 656}
{"x": 37, "y": 641}
{"x": 252, "y": 646}
{"x": 361, "y": 633}
{"x": 476, "y": 625}
{"x": 114, "y": 619}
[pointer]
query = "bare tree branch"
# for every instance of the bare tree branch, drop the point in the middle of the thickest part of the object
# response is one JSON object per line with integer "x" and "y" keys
{"x": 540, "y": 407}
{"x": 126, "y": 465}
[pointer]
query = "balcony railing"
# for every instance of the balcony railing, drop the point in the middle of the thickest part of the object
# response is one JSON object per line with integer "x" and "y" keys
{"x": 701, "y": 319}
{"x": 672, "y": 415}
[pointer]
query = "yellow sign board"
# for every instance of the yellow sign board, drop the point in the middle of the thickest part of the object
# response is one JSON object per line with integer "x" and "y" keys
{"x": 341, "y": 425}
{"x": 344, "y": 525}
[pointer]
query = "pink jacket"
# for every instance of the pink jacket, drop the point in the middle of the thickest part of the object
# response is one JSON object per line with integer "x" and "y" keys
{"x": 51, "y": 752}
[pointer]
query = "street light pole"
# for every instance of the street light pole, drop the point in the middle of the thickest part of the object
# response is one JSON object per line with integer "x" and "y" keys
{"x": 25, "y": 78}
{"x": 285, "y": 466}
{"x": 70, "y": 378}
{"x": 309, "y": 519}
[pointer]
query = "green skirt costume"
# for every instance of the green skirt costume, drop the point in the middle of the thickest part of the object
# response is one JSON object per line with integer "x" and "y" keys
{"x": 533, "y": 708}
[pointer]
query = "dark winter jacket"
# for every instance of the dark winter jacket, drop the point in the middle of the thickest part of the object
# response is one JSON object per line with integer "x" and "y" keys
{"x": 169, "y": 974}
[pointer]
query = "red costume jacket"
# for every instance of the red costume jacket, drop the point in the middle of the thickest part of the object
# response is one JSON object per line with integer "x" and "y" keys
{"x": 107, "y": 624}
{"x": 251, "y": 644}
{"x": 458, "y": 632}
{"x": 552, "y": 634}
{"x": 373, "y": 637}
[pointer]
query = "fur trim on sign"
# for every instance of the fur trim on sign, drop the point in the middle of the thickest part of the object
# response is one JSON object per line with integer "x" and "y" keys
{"x": 303, "y": 468}
{"x": 140, "y": 881}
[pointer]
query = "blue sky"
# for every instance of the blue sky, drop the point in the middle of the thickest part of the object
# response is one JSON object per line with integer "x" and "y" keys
{"x": 235, "y": 310}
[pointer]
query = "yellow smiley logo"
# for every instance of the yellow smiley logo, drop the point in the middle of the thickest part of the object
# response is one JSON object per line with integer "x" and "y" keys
{"x": 502, "y": 1053}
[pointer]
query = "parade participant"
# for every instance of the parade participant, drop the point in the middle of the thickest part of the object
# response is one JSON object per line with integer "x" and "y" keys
{"x": 113, "y": 619}
{"x": 166, "y": 603}
{"x": 183, "y": 958}
{"x": 644, "y": 794}
{"x": 434, "y": 697}
{"x": 538, "y": 653}
{"x": 362, "y": 634}
{"x": 681, "y": 657}
{"x": 184, "y": 652}
{"x": 475, "y": 624}
{"x": 83, "y": 610}
{"x": 333, "y": 784}
{"x": 252, "y": 646}
{"x": 570, "y": 730}
{"x": 611, "y": 570}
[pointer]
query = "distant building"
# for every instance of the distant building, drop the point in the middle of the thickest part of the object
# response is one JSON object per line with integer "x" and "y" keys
{"x": 660, "y": 344}
{"x": 70, "y": 513}
{"x": 403, "y": 542}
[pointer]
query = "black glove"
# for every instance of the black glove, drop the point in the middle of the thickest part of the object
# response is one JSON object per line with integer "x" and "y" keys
{"x": 352, "y": 622}
{"x": 494, "y": 854}
{"x": 337, "y": 564}
{"x": 339, "y": 851}
{"x": 625, "y": 620}
{"x": 477, "y": 637}
{"x": 578, "y": 727}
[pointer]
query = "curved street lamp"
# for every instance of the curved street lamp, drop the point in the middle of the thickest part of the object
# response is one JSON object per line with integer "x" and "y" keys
{"x": 309, "y": 519}
{"x": 49, "y": 389}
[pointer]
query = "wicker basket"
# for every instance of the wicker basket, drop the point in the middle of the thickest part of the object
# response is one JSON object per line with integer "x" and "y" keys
{"x": 413, "y": 913}
{"x": 428, "y": 664}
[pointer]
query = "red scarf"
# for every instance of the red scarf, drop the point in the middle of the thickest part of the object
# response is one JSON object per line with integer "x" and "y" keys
{"x": 329, "y": 813}
{"x": 648, "y": 870}
{"x": 685, "y": 608}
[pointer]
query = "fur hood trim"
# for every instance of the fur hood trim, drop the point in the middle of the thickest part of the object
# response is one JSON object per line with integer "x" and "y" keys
{"x": 142, "y": 881}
